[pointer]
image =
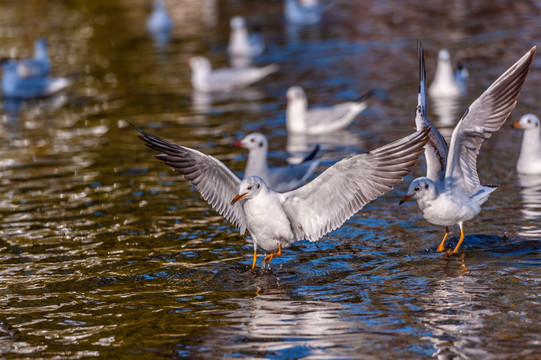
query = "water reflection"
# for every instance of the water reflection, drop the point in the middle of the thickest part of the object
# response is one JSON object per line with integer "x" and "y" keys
{"x": 333, "y": 145}
{"x": 247, "y": 99}
{"x": 530, "y": 193}
{"x": 447, "y": 111}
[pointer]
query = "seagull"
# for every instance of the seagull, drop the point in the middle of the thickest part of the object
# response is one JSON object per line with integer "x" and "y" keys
{"x": 159, "y": 23}
{"x": 447, "y": 83}
{"x": 279, "y": 179}
{"x": 274, "y": 219}
{"x": 305, "y": 12}
{"x": 228, "y": 79}
{"x": 529, "y": 160}
{"x": 451, "y": 193}
{"x": 29, "y": 78}
{"x": 240, "y": 42}
{"x": 319, "y": 120}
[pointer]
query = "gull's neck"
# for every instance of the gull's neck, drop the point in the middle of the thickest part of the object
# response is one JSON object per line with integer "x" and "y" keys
{"x": 296, "y": 115}
{"x": 257, "y": 163}
{"x": 239, "y": 40}
{"x": 530, "y": 151}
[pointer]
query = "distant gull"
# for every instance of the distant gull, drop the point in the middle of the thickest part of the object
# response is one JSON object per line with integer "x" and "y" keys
{"x": 305, "y": 12}
{"x": 448, "y": 83}
{"x": 241, "y": 43}
{"x": 451, "y": 193}
{"x": 281, "y": 179}
{"x": 320, "y": 120}
{"x": 227, "y": 79}
{"x": 276, "y": 220}
{"x": 529, "y": 160}
{"x": 29, "y": 78}
{"x": 159, "y": 23}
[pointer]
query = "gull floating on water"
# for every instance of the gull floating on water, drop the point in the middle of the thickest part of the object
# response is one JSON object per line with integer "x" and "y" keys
{"x": 281, "y": 179}
{"x": 241, "y": 43}
{"x": 28, "y": 78}
{"x": 451, "y": 193}
{"x": 319, "y": 120}
{"x": 228, "y": 79}
{"x": 159, "y": 23}
{"x": 305, "y": 12}
{"x": 275, "y": 220}
{"x": 447, "y": 83}
{"x": 529, "y": 160}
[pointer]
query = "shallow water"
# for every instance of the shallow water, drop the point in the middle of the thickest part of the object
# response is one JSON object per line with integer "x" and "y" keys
{"x": 104, "y": 252}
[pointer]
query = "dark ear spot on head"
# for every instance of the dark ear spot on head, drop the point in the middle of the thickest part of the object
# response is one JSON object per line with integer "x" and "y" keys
{"x": 261, "y": 144}
{"x": 426, "y": 186}
{"x": 258, "y": 186}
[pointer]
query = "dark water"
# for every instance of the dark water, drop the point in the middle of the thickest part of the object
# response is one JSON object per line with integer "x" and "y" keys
{"x": 104, "y": 252}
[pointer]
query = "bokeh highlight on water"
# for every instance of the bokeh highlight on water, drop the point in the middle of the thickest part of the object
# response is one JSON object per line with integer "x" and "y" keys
{"x": 104, "y": 252}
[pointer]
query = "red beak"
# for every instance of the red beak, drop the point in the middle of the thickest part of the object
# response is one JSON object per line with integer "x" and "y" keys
{"x": 238, "y": 143}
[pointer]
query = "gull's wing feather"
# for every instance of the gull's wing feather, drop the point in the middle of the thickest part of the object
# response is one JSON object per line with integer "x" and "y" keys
{"x": 343, "y": 189}
{"x": 216, "y": 183}
{"x": 484, "y": 116}
{"x": 436, "y": 149}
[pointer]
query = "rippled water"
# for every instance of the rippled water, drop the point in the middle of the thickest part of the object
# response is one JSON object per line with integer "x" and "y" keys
{"x": 105, "y": 252}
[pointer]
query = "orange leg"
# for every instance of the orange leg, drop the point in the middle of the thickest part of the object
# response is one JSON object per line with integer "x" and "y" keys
{"x": 441, "y": 247}
{"x": 459, "y": 241}
{"x": 271, "y": 256}
{"x": 255, "y": 258}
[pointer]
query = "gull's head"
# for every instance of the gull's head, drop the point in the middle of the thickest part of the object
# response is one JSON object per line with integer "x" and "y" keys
{"x": 253, "y": 141}
{"x": 237, "y": 22}
{"x": 420, "y": 188}
{"x": 248, "y": 188}
{"x": 295, "y": 93}
{"x": 443, "y": 55}
{"x": 40, "y": 47}
{"x": 527, "y": 121}
{"x": 199, "y": 64}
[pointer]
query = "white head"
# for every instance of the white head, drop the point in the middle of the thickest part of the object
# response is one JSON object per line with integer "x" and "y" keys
{"x": 254, "y": 141}
{"x": 200, "y": 64}
{"x": 237, "y": 22}
{"x": 295, "y": 93}
{"x": 249, "y": 188}
{"x": 443, "y": 55}
{"x": 527, "y": 122}
{"x": 40, "y": 49}
{"x": 421, "y": 189}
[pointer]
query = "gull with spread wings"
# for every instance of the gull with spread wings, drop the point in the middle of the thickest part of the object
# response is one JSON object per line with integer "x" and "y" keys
{"x": 276, "y": 220}
{"x": 451, "y": 193}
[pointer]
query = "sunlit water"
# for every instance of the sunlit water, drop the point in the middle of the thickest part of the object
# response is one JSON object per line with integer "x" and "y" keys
{"x": 105, "y": 252}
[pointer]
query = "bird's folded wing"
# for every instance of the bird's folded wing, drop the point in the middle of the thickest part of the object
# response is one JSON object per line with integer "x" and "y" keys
{"x": 343, "y": 189}
{"x": 216, "y": 183}
{"x": 436, "y": 150}
{"x": 484, "y": 116}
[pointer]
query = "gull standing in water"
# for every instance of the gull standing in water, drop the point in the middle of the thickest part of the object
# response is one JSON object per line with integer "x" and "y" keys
{"x": 228, "y": 79}
{"x": 448, "y": 83}
{"x": 319, "y": 120}
{"x": 276, "y": 220}
{"x": 451, "y": 193}
{"x": 529, "y": 160}
{"x": 281, "y": 179}
{"x": 159, "y": 23}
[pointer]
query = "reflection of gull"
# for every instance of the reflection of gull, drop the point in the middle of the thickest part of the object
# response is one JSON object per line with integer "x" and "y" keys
{"x": 241, "y": 43}
{"x": 275, "y": 220}
{"x": 447, "y": 83}
{"x": 447, "y": 111}
{"x": 457, "y": 196}
{"x": 305, "y": 12}
{"x": 242, "y": 99}
{"x": 299, "y": 144}
{"x": 159, "y": 23}
{"x": 319, "y": 120}
{"x": 531, "y": 204}
{"x": 529, "y": 160}
{"x": 281, "y": 179}
{"x": 226, "y": 79}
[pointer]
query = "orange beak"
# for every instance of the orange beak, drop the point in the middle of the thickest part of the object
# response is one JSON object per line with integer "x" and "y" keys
{"x": 237, "y": 198}
{"x": 405, "y": 198}
{"x": 517, "y": 125}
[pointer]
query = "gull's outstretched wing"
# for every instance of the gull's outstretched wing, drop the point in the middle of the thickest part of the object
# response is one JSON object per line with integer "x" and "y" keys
{"x": 343, "y": 189}
{"x": 216, "y": 183}
{"x": 484, "y": 116}
{"x": 436, "y": 149}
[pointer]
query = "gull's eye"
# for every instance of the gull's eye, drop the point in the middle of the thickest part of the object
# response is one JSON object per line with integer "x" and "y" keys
{"x": 417, "y": 189}
{"x": 529, "y": 121}
{"x": 260, "y": 144}
{"x": 252, "y": 139}
{"x": 250, "y": 187}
